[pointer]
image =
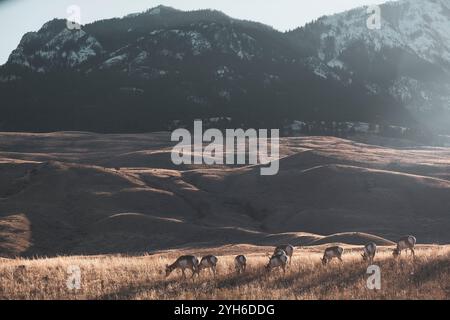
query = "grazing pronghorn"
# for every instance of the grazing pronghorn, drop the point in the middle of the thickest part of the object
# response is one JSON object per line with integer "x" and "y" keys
{"x": 288, "y": 250}
{"x": 208, "y": 262}
{"x": 370, "y": 250}
{"x": 331, "y": 253}
{"x": 278, "y": 260}
{"x": 183, "y": 263}
{"x": 405, "y": 243}
{"x": 240, "y": 264}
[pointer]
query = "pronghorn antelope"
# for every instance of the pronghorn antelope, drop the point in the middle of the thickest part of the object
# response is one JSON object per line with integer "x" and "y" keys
{"x": 405, "y": 243}
{"x": 331, "y": 253}
{"x": 278, "y": 260}
{"x": 370, "y": 250}
{"x": 208, "y": 262}
{"x": 240, "y": 264}
{"x": 183, "y": 263}
{"x": 287, "y": 248}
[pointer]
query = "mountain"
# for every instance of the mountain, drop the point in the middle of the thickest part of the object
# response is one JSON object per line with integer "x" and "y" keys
{"x": 408, "y": 58}
{"x": 145, "y": 71}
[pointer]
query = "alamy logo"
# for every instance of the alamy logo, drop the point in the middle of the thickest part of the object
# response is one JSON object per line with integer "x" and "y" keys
{"x": 374, "y": 280}
{"x": 74, "y": 278}
{"x": 73, "y": 21}
{"x": 237, "y": 147}
{"x": 374, "y": 20}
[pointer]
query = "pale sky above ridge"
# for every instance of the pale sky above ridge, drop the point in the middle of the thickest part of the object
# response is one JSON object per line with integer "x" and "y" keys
{"x": 20, "y": 16}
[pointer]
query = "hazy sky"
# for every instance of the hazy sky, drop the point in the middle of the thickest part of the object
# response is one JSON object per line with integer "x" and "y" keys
{"x": 20, "y": 16}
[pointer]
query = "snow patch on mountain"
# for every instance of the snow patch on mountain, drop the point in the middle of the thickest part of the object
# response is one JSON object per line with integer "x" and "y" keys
{"x": 408, "y": 58}
{"x": 419, "y": 26}
{"x": 114, "y": 61}
{"x": 44, "y": 50}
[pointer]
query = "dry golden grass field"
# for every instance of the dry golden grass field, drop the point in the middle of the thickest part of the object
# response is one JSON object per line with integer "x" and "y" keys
{"x": 142, "y": 277}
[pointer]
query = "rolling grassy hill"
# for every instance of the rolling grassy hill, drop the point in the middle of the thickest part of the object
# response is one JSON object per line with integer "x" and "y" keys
{"x": 83, "y": 193}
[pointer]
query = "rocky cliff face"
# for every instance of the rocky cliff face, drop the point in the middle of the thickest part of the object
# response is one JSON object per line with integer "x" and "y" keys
{"x": 408, "y": 58}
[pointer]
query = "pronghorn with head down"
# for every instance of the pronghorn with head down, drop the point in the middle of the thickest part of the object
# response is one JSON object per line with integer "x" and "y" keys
{"x": 183, "y": 263}
{"x": 208, "y": 262}
{"x": 288, "y": 250}
{"x": 370, "y": 250}
{"x": 240, "y": 264}
{"x": 405, "y": 243}
{"x": 331, "y": 253}
{"x": 278, "y": 260}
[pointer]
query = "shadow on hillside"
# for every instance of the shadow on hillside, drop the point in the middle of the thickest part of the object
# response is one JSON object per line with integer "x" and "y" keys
{"x": 240, "y": 280}
{"x": 130, "y": 292}
{"x": 333, "y": 277}
{"x": 171, "y": 288}
{"x": 430, "y": 271}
